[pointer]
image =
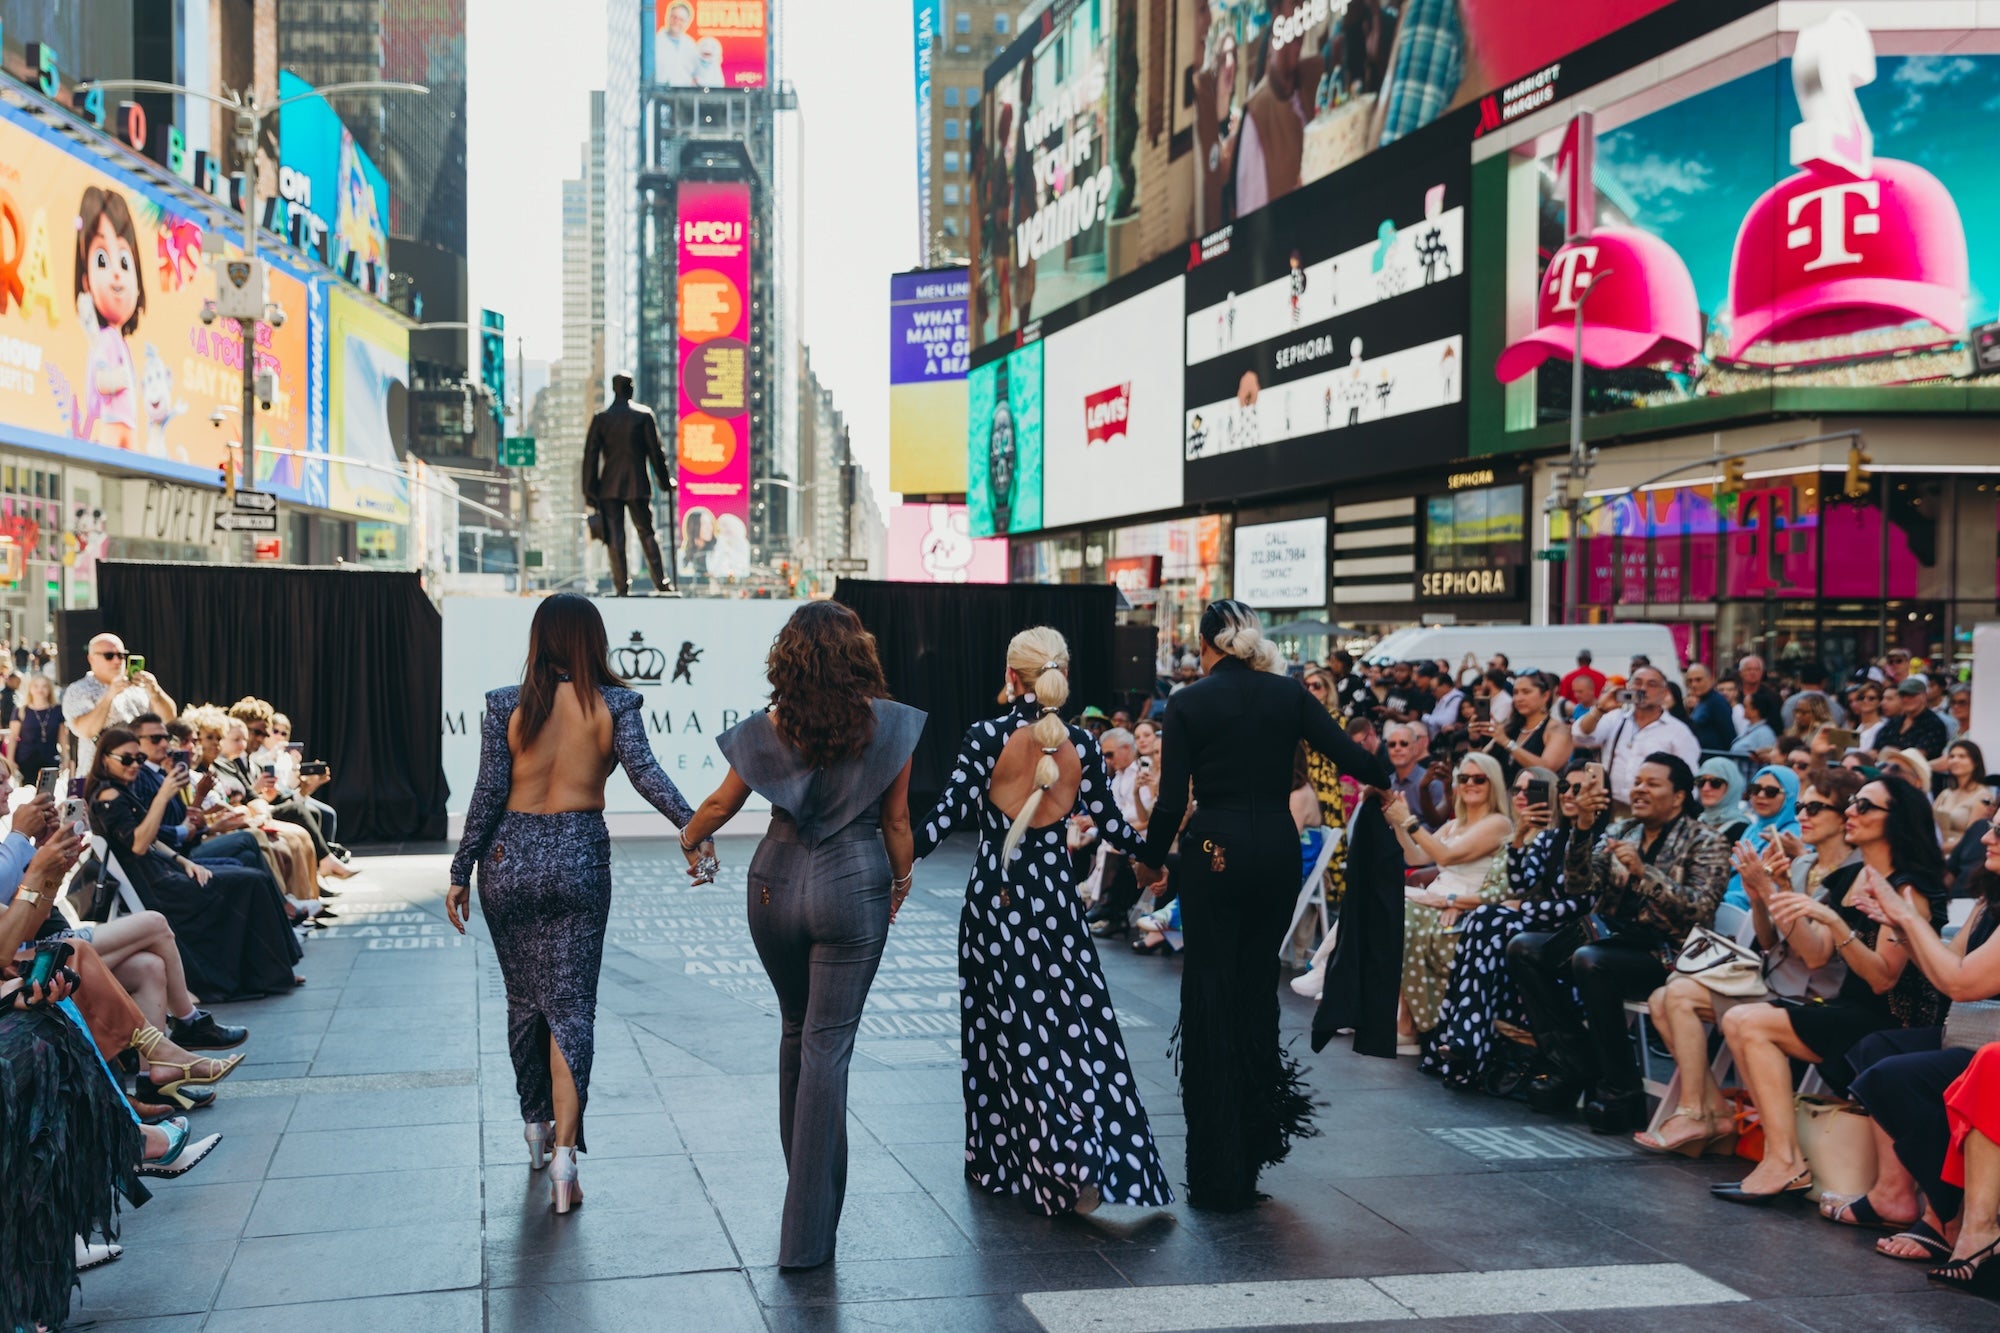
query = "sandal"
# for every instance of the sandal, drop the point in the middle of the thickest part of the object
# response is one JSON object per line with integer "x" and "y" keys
{"x": 1936, "y": 1249}
{"x": 181, "y": 1155}
{"x": 146, "y": 1040}
{"x": 1718, "y": 1136}
{"x": 1854, "y": 1210}
{"x": 1975, "y": 1273}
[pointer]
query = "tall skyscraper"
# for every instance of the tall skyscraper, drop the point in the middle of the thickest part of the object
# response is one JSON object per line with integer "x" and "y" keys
{"x": 954, "y": 45}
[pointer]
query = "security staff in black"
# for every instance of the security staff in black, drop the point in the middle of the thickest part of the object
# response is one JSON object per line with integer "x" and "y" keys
{"x": 623, "y": 440}
{"x": 1234, "y": 735}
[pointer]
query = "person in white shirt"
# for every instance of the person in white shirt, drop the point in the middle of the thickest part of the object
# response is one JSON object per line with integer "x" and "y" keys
{"x": 1627, "y": 735}
{"x": 1133, "y": 790}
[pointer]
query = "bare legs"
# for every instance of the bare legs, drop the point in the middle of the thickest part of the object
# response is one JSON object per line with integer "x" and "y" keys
{"x": 1761, "y": 1038}
{"x": 140, "y": 951}
{"x": 1977, "y": 1225}
{"x": 1679, "y": 1010}
{"x": 562, "y": 1089}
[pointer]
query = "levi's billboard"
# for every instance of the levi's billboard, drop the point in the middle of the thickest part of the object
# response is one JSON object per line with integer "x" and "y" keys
{"x": 1821, "y": 222}
{"x": 1096, "y": 150}
{"x": 1111, "y": 411}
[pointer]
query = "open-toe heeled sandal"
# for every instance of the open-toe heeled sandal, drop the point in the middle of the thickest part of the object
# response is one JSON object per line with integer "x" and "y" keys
{"x": 1977, "y": 1272}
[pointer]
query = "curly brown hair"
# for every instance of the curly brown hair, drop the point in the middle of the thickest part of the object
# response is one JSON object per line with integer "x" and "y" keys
{"x": 824, "y": 673}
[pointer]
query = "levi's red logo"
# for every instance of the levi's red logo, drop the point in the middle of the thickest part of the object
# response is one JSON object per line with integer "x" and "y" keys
{"x": 1104, "y": 414}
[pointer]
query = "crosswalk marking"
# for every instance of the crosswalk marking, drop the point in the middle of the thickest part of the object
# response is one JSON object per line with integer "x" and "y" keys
{"x": 1411, "y": 1296}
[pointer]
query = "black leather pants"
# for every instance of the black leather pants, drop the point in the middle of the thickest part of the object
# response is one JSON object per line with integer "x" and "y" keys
{"x": 1588, "y": 1046}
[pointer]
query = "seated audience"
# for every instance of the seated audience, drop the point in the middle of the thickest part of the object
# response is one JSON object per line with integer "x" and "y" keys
{"x": 1972, "y": 1163}
{"x": 1889, "y": 823}
{"x": 231, "y": 923}
{"x": 1466, "y": 851}
{"x": 1964, "y": 795}
{"x": 1774, "y": 799}
{"x": 1911, "y": 724}
{"x": 1759, "y": 737}
{"x": 1719, "y": 785}
{"x": 1652, "y": 879}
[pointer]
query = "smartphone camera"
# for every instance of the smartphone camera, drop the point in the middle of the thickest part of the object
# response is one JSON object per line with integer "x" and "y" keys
{"x": 134, "y": 666}
{"x": 183, "y": 758}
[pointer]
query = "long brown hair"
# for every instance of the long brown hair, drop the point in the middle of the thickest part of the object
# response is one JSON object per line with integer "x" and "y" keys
{"x": 108, "y": 740}
{"x": 566, "y": 642}
{"x": 824, "y": 673}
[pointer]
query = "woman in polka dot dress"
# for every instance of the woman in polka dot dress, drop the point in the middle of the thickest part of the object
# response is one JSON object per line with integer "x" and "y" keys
{"x": 1051, "y": 1107}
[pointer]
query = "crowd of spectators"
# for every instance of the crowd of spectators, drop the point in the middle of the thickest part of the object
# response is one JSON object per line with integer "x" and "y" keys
{"x": 1759, "y": 862}
{"x": 157, "y": 860}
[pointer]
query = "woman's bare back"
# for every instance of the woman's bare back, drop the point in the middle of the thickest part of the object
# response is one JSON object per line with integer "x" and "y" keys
{"x": 566, "y": 766}
{"x": 1014, "y": 778}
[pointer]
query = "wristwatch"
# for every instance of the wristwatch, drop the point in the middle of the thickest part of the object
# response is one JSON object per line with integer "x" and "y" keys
{"x": 1410, "y": 825}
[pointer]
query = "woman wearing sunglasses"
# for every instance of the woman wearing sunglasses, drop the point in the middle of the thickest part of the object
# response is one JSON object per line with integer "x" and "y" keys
{"x": 1889, "y": 823}
{"x": 231, "y": 923}
{"x": 1774, "y": 798}
{"x": 1719, "y": 787}
{"x": 1702, "y": 1121}
{"x": 1467, "y": 851}
{"x": 1866, "y": 705}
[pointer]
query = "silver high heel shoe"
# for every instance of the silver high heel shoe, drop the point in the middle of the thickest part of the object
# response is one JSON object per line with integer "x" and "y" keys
{"x": 564, "y": 1191}
{"x": 537, "y": 1133}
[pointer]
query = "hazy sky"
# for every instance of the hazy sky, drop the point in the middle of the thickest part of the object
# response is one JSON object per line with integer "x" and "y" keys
{"x": 528, "y": 107}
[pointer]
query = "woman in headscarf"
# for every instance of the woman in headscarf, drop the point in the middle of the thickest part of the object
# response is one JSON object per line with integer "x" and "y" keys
{"x": 1719, "y": 785}
{"x": 1774, "y": 810}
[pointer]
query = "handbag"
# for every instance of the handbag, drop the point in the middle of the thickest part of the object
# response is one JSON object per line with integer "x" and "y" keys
{"x": 1970, "y": 1024}
{"x": 1721, "y": 964}
{"x": 1838, "y": 1141}
{"x": 594, "y": 520}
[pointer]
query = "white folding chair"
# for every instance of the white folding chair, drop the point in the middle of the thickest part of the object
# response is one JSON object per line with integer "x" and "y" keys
{"x": 128, "y": 897}
{"x": 1313, "y": 891}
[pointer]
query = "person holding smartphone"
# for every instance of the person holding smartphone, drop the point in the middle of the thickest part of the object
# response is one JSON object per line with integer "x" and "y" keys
{"x": 115, "y": 691}
{"x": 1625, "y": 732}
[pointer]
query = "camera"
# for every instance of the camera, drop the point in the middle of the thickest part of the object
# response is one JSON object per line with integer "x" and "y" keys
{"x": 208, "y": 312}
{"x": 267, "y": 389}
{"x": 274, "y": 315}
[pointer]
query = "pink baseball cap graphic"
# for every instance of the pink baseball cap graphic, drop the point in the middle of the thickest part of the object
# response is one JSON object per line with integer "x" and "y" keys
{"x": 1824, "y": 253}
{"x": 1640, "y": 311}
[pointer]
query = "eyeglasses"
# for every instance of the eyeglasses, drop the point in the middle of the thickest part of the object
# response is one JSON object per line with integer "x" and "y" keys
{"x": 260, "y": 731}
{"x": 1399, "y": 745}
{"x": 152, "y": 740}
{"x": 1861, "y": 805}
{"x": 1769, "y": 791}
{"x": 1469, "y": 779}
{"x": 111, "y": 657}
{"x": 1814, "y": 809}
{"x": 1572, "y": 789}
{"x": 1316, "y": 687}
{"x": 1800, "y": 765}
{"x": 1708, "y": 782}
{"x": 121, "y": 758}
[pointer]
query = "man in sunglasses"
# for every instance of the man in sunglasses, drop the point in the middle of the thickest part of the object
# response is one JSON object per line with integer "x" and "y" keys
{"x": 1626, "y": 735}
{"x": 109, "y": 697}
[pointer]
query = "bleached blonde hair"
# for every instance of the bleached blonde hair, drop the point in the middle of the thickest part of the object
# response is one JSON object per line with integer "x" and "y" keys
{"x": 1235, "y": 631}
{"x": 1040, "y": 656}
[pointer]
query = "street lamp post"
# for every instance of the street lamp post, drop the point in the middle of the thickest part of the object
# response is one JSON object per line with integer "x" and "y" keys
{"x": 1578, "y": 475}
{"x": 250, "y": 116}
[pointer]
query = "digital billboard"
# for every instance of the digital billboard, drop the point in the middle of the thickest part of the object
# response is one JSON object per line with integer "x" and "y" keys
{"x": 1821, "y": 220}
{"x": 1095, "y": 151}
{"x": 1282, "y": 564}
{"x": 104, "y": 357}
{"x": 1111, "y": 411}
{"x": 706, "y": 44}
{"x": 712, "y": 423}
{"x": 1325, "y": 335}
{"x": 326, "y": 173}
{"x": 368, "y": 374}
{"x": 927, "y": 359}
{"x": 926, "y": 21}
{"x": 933, "y": 543}
{"x": 1003, "y": 458}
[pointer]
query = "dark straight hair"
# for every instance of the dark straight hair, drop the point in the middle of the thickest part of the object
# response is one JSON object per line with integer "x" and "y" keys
{"x": 1912, "y": 831}
{"x": 566, "y": 642}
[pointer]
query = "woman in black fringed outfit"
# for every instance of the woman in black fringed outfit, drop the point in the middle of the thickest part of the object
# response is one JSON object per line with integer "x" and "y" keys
{"x": 1233, "y": 735}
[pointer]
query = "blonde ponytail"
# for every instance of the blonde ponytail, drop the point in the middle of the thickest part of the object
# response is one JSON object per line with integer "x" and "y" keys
{"x": 1041, "y": 658}
{"x": 1235, "y": 631}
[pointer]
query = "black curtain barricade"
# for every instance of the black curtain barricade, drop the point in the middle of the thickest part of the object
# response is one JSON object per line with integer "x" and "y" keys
{"x": 1365, "y": 975}
{"x": 354, "y": 658}
{"x": 944, "y": 649}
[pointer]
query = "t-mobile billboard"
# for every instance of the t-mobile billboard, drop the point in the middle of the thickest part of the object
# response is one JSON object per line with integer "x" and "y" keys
{"x": 712, "y": 426}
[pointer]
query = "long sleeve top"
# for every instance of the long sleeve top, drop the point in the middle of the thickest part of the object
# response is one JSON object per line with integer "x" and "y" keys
{"x": 496, "y": 771}
{"x": 1231, "y": 738}
{"x": 1677, "y": 887}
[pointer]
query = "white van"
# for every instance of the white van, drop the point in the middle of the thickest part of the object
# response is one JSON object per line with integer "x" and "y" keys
{"x": 1550, "y": 648}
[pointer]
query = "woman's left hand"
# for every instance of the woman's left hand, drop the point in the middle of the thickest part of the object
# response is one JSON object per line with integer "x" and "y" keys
{"x": 899, "y": 894}
{"x": 198, "y": 872}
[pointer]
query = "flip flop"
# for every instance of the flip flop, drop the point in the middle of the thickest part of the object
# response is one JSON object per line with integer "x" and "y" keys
{"x": 1854, "y": 1210}
{"x": 1936, "y": 1248}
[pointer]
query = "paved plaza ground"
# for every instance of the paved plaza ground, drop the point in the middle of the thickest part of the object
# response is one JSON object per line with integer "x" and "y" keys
{"x": 372, "y": 1174}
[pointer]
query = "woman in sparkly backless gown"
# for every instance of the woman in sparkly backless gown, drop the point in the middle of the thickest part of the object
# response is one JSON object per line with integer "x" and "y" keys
{"x": 1052, "y": 1110}
{"x": 535, "y": 829}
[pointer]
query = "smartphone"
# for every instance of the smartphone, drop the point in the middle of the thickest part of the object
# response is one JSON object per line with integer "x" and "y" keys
{"x": 1145, "y": 763}
{"x": 297, "y": 748}
{"x": 45, "y": 782}
{"x": 1537, "y": 793}
{"x": 1842, "y": 739}
{"x": 1593, "y": 773}
{"x": 75, "y": 789}
{"x": 184, "y": 758}
{"x": 134, "y": 664}
{"x": 76, "y": 813}
{"x": 1482, "y": 710}
{"x": 316, "y": 768}
{"x": 48, "y": 957}
{"x": 268, "y": 770}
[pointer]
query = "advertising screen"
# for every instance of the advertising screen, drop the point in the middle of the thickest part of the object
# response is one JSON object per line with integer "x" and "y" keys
{"x": 1325, "y": 340}
{"x": 1282, "y": 564}
{"x": 706, "y": 44}
{"x": 103, "y": 354}
{"x": 927, "y": 355}
{"x": 1089, "y": 163}
{"x": 933, "y": 543}
{"x": 1825, "y": 216}
{"x": 1003, "y": 457}
{"x": 712, "y": 426}
{"x": 325, "y": 172}
{"x": 926, "y": 19}
{"x": 368, "y": 374}
{"x": 1111, "y": 411}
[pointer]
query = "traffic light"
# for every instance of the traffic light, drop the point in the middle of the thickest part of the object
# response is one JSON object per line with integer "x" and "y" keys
{"x": 228, "y": 479}
{"x": 1732, "y": 475}
{"x": 1858, "y": 483}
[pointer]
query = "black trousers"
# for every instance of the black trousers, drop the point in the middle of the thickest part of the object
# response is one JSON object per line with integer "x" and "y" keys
{"x": 1903, "y": 1078}
{"x": 1119, "y": 890}
{"x": 612, "y": 514}
{"x": 1586, "y": 1046}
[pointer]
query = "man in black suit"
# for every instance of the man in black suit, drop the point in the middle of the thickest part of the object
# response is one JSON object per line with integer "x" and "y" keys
{"x": 623, "y": 440}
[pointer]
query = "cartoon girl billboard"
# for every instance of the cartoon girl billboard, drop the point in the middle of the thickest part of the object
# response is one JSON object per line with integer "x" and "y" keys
{"x": 110, "y": 295}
